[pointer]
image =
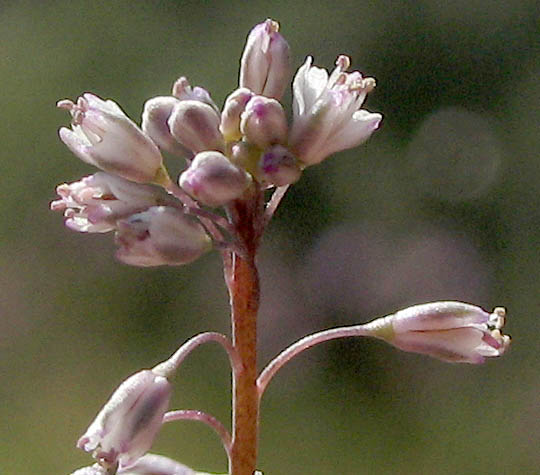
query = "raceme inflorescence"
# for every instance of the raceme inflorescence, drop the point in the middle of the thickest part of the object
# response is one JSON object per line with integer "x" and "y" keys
{"x": 239, "y": 163}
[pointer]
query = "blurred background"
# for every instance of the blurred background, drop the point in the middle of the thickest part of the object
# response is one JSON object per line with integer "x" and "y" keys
{"x": 442, "y": 203}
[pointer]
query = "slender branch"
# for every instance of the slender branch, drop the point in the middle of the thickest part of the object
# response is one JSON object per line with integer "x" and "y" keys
{"x": 303, "y": 344}
{"x": 273, "y": 204}
{"x": 200, "y": 416}
{"x": 169, "y": 367}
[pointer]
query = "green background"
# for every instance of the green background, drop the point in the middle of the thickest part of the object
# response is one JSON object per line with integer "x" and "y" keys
{"x": 442, "y": 203}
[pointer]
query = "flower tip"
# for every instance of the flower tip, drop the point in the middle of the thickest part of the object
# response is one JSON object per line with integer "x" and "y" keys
{"x": 66, "y": 104}
{"x": 271, "y": 26}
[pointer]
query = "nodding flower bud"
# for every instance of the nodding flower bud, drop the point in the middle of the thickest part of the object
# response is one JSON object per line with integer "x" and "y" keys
{"x": 232, "y": 110}
{"x": 162, "y": 235}
{"x": 264, "y": 122}
{"x": 327, "y": 117}
{"x": 182, "y": 90}
{"x": 126, "y": 426}
{"x": 102, "y": 135}
{"x": 450, "y": 331}
{"x": 94, "y": 203}
{"x": 265, "y": 64}
{"x": 155, "y": 118}
{"x": 196, "y": 125}
{"x": 278, "y": 166}
{"x": 213, "y": 180}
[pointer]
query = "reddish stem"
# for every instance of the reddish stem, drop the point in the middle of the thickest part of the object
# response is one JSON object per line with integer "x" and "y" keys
{"x": 244, "y": 294}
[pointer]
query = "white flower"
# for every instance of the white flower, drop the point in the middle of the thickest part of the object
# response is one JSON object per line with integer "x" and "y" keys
{"x": 327, "y": 114}
{"x": 102, "y": 135}
{"x": 451, "y": 331}
{"x": 126, "y": 426}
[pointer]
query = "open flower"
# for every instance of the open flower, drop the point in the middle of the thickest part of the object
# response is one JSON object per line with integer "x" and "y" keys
{"x": 327, "y": 117}
{"x": 451, "y": 331}
{"x": 94, "y": 203}
{"x": 102, "y": 135}
{"x": 126, "y": 426}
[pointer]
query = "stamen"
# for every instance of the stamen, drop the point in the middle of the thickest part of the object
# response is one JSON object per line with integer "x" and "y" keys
{"x": 343, "y": 62}
{"x": 272, "y": 26}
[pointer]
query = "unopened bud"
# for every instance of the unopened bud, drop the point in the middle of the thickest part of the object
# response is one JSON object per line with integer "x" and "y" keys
{"x": 162, "y": 235}
{"x": 102, "y": 135}
{"x": 265, "y": 64}
{"x": 264, "y": 122}
{"x": 232, "y": 110}
{"x": 155, "y": 118}
{"x": 213, "y": 180}
{"x": 278, "y": 166}
{"x": 196, "y": 125}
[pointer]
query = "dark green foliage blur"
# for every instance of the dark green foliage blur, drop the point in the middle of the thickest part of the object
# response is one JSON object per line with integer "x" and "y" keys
{"x": 442, "y": 203}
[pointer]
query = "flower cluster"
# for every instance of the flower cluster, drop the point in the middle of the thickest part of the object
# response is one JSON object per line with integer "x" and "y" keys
{"x": 247, "y": 147}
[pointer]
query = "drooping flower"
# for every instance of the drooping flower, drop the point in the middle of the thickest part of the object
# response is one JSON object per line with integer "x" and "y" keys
{"x": 161, "y": 235}
{"x": 102, "y": 135}
{"x": 265, "y": 64}
{"x": 95, "y": 203}
{"x": 451, "y": 331}
{"x": 125, "y": 428}
{"x": 327, "y": 114}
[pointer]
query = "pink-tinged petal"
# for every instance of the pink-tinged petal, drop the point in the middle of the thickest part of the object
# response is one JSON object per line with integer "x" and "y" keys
{"x": 104, "y": 136}
{"x": 327, "y": 114}
{"x": 160, "y": 236}
{"x": 451, "y": 331}
{"x": 265, "y": 63}
{"x": 213, "y": 180}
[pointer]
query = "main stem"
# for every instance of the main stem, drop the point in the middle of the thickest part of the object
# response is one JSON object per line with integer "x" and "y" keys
{"x": 244, "y": 294}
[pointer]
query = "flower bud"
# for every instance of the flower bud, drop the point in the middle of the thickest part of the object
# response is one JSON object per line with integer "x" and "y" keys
{"x": 155, "y": 116}
{"x": 232, "y": 110}
{"x": 102, "y": 135}
{"x": 213, "y": 180}
{"x": 326, "y": 111}
{"x": 278, "y": 167}
{"x": 265, "y": 64}
{"x": 162, "y": 235}
{"x": 264, "y": 122}
{"x": 183, "y": 91}
{"x": 451, "y": 331}
{"x": 126, "y": 426}
{"x": 196, "y": 125}
{"x": 96, "y": 202}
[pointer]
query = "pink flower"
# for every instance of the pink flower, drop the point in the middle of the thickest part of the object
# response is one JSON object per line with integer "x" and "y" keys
{"x": 126, "y": 426}
{"x": 327, "y": 117}
{"x": 213, "y": 180}
{"x": 102, "y": 135}
{"x": 94, "y": 203}
{"x": 451, "y": 331}
{"x": 161, "y": 235}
